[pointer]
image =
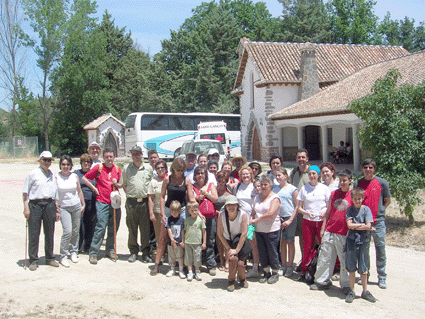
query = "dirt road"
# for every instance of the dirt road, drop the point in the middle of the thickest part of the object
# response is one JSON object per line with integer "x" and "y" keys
{"x": 124, "y": 290}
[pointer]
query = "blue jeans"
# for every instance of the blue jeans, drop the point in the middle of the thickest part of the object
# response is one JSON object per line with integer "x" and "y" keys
{"x": 105, "y": 218}
{"x": 208, "y": 255}
{"x": 379, "y": 240}
{"x": 268, "y": 244}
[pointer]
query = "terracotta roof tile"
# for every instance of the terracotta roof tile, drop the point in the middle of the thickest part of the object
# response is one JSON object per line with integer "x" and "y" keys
{"x": 278, "y": 62}
{"x": 97, "y": 122}
{"x": 335, "y": 98}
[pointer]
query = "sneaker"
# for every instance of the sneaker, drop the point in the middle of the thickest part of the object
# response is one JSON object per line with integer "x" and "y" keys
{"x": 350, "y": 297}
{"x": 281, "y": 271}
{"x": 212, "y": 271}
{"x": 321, "y": 287}
{"x": 111, "y": 255}
{"x": 93, "y": 259}
{"x": 252, "y": 274}
{"x": 298, "y": 269}
{"x": 74, "y": 258}
{"x": 170, "y": 273}
{"x": 64, "y": 262}
{"x": 335, "y": 277}
{"x": 244, "y": 283}
{"x": 273, "y": 279}
{"x": 231, "y": 286}
{"x": 190, "y": 276}
{"x": 381, "y": 283}
{"x": 154, "y": 270}
{"x": 264, "y": 278}
{"x": 182, "y": 275}
{"x": 301, "y": 278}
{"x": 346, "y": 290}
{"x": 146, "y": 259}
{"x": 289, "y": 272}
{"x": 52, "y": 263}
{"x": 33, "y": 266}
{"x": 132, "y": 258}
{"x": 198, "y": 276}
{"x": 368, "y": 296}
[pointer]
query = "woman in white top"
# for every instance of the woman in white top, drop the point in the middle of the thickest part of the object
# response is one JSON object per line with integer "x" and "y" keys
{"x": 313, "y": 202}
{"x": 328, "y": 172}
{"x": 71, "y": 207}
{"x": 245, "y": 192}
{"x": 238, "y": 224}
{"x": 265, "y": 216}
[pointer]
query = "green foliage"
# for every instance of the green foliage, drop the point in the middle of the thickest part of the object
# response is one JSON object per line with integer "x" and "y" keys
{"x": 394, "y": 130}
{"x": 402, "y": 32}
{"x": 29, "y": 117}
{"x": 352, "y": 21}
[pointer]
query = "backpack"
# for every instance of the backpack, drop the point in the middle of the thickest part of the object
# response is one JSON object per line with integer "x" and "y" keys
{"x": 312, "y": 265}
{"x": 206, "y": 206}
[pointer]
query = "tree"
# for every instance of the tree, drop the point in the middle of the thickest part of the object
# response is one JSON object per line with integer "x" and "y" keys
{"x": 352, "y": 21}
{"x": 201, "y": 60}
{"x": 11, "y": 58}
{"x": 394, "y": 130}
{"x": 48, "y": 18}
{"x": 305, "y": 21}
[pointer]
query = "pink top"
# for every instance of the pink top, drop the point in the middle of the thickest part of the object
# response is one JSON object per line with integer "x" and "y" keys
{"x": 261, "y": 208}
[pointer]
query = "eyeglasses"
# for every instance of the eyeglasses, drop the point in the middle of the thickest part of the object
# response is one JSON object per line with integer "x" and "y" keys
{"x": 48, "y": 160}
{"x": 368, "y": 167}
{"x": 161, "y": 167}
{"x": 65, "y": 164}
{"x": 255, "y": 168}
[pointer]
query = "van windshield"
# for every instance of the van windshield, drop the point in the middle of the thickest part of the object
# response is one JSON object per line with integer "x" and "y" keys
{"x": 214, "y": 136}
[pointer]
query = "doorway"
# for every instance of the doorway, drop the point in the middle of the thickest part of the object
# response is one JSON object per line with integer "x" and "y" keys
{"x": 111, "y": 143}
{"x": 256, "y": 146}
{"x": 312, "y": 142}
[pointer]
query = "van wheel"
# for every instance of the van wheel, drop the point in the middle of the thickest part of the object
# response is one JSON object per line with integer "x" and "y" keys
{"x": 177, "y": 152}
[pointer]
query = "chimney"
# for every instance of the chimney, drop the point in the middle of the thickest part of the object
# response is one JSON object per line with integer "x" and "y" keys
{"x": 308, "y": 71}
{"x": 241, "y": 46}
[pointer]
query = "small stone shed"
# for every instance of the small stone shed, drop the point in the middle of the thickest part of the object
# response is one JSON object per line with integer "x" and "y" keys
{"x": 108, "y": 131}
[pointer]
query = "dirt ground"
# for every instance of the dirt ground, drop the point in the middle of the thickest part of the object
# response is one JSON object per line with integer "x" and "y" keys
{"x": 124, "y": 290}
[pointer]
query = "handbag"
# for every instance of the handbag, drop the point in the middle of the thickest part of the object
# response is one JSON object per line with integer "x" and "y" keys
{"x": 206, "y": 206}
{"x": 233, "y": 242}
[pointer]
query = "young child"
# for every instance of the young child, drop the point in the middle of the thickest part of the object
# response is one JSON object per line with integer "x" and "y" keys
{"x": 359, "y": 222}
{"x": 175, "y": 226}
{"x": 334, "y": 234}
{"x": 194, "y": 240}
{"x": 288, "y": 202}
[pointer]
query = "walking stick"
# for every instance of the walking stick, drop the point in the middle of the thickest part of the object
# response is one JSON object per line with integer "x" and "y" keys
{"x": 26, "y": 244}
{"x": 115, "y": 232}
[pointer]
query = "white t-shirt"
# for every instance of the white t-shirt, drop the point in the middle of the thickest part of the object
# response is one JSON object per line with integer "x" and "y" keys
{"x": 261, "y": 208}
{"x": 314, "y": 198}
{"x": 244, "y": 194}
{"x": 67, "y": 190}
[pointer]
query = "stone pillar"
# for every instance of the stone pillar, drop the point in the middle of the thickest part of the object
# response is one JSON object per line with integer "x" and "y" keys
{"x": 300, "y": 136}
{"x": 324, "y": 139}
{"x": 356, "y": 148}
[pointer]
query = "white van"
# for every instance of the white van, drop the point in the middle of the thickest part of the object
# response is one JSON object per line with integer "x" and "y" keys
{"x": 215, "y": 130}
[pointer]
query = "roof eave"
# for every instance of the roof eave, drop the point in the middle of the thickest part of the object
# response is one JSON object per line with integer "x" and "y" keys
{"x": 309, "y": 114}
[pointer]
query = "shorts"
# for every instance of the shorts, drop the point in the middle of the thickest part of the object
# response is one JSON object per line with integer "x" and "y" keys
{"x": 357, "y": 258}
{"x": 288, "y": 233}
{"x": 175, "y": 254}
{"x": 193, "y": 255}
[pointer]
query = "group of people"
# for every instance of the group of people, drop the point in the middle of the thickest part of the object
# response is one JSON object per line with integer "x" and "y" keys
{"x": 204, "y": 214}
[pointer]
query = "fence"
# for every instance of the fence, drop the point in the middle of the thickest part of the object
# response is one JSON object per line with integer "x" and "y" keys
{"x": 19, "y": 147}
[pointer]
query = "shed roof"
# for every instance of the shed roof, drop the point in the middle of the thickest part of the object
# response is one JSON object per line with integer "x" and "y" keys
{"x": 93, "y": 125}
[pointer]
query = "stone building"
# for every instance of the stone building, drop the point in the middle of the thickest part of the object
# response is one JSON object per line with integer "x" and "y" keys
{"x": 108, "y": 131}
{"x": 273, "y": 76}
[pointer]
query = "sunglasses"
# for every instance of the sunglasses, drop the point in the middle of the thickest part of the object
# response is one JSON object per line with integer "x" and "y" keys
{"x": 161, "y": 167}
{"x": 48, "y": 160}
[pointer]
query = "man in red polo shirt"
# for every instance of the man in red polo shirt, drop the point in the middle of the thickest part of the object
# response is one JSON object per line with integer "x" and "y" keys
{"x": 377, "y": 197}
{"x": 107, "y": 176}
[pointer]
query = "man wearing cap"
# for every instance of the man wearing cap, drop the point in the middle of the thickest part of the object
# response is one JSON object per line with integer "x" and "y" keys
{"x": 213, "y": 155}
{"x": 107, "y": 176}
{"x": 191, "y": 163}
{"x": 40, "y": 204}
{"x": 135, "y": 181}
{"x": 94, "y": 152}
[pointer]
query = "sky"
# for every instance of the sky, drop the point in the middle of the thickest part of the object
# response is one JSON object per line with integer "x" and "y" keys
{"x": 150, "y": 21}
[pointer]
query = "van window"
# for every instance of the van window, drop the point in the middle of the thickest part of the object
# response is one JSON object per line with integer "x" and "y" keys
{"x": 131, "y": 119}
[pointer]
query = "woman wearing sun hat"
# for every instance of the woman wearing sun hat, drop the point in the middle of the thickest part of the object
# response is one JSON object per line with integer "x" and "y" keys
{"x": 233, "y": 223}
{"x": 313, "y": 202}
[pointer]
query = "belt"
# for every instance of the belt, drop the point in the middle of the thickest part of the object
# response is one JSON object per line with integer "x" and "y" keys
{"x": 139, "y": 200}
{"x": 41, "y": 200}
